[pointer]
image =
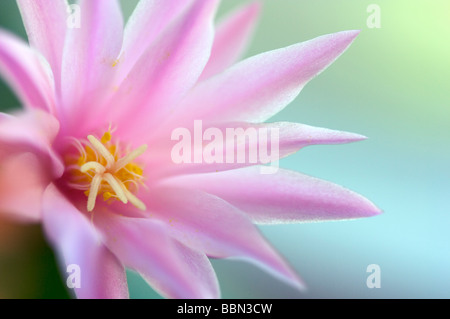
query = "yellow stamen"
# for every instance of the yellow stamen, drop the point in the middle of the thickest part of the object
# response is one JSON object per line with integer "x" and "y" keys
{"x": 97, "y": 167}
{"x": 121, "y": 163}
{"x": 99, "y": 147}
{"x": 104, "y": 168}
{"x": 116, "y": 186}
{"x": 93, "y": 191}
{"x": 134, "y": 200}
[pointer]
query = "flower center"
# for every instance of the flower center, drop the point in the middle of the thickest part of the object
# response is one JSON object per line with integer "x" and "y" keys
{"x": 104, "y": 168}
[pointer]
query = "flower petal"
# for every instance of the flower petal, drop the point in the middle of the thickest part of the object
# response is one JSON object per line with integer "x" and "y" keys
{"x": 231, "y": 39}
{"x": 22, "y": 176}
{"x": 259, "y": 87}
{"x": 45, "y": 23}
{"x": 25, "y": 72}
{"x": 283, "y": 197}
{"x": 166, "y": 71}
{"x": 208, "y": 223}
{"x": 76, "y": 240}
{"x": 90, "y": 57}
{"x": 149, "y": 20}
{"x": 173, "y": 269}
{"x": 31, "y": 131}
{"x": 235, "y": 140}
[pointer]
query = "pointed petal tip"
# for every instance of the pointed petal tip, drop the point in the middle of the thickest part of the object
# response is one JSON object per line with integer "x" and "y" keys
{"x": 371, "y": 210}
{"x": 255, "y": 6}
{"x": 254, "y": 10}
{"x": 302, "y": 288}
{"x": 347, "y": 36}
{"x": 318, "y": 135}
{"x": 352, "y": 34}
{"x": 299, "y": 284}
{"x": 294, "y": 280}
{"x": 376, "y": 211}
{"x": 357, "y": 206}
{"x": 251, "y": 8}
{"x": 357, "y": 137}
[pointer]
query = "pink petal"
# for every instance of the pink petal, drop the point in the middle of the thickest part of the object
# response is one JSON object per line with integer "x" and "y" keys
{"x": 283, "y": 197}
{"x": 259, "y": 87}
{"x": 77, "y": 242}
{"x": 46, "y": 24}
{"x": 90, "y": 58}
{"x": 231, "y": 39}
{"x": 173, "y": 269}
{"x": 291, "y": 138}
{"x": 148, "y": 21}
{"x": 31, "y": 131}
{"x": 25, "y": 73}
{"x": 166, "y": 71}
{"x": 208, "y": 223}
{"x": 23, "y": 180}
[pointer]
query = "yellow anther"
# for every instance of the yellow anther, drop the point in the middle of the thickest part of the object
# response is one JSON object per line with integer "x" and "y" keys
{"x": 106, "y": 137}
{"x": 81, "y": 161}
{"x": 135, "y": 169}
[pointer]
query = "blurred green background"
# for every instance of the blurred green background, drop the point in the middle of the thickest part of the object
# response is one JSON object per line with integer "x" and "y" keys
{"x": 392, "y": 85}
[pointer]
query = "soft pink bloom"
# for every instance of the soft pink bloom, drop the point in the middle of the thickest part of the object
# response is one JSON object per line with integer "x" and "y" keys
{"x": 168, "y": 67}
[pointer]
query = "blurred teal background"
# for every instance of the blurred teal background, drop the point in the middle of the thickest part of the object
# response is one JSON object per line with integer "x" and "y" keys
{"x": 392, "y": 85}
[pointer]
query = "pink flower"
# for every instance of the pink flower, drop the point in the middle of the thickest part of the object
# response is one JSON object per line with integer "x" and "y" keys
{"x": 90, "y": 155}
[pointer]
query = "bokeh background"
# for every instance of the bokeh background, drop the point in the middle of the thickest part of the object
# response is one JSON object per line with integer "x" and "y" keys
{"x": 393, "y": 86}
